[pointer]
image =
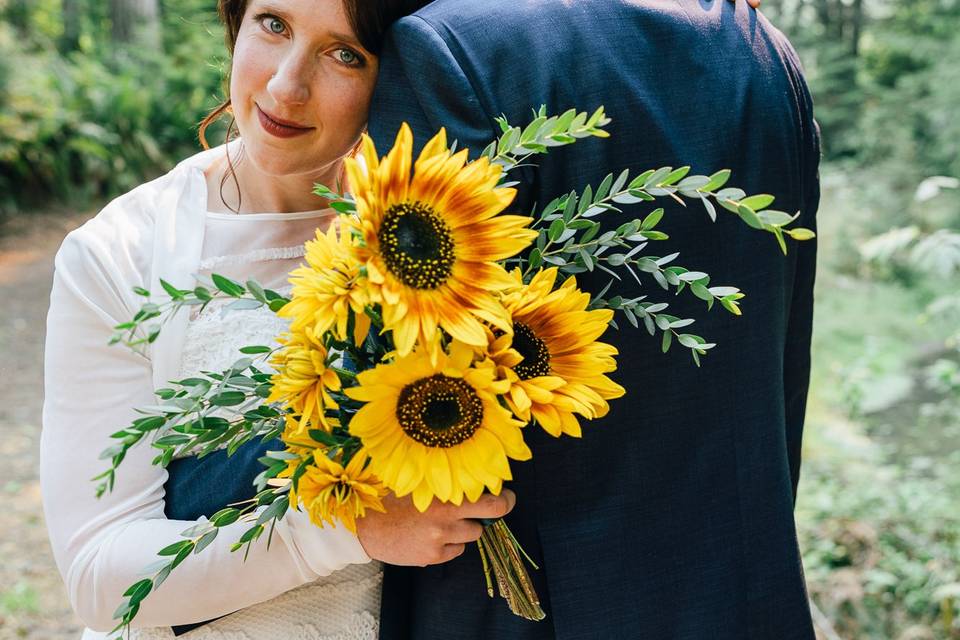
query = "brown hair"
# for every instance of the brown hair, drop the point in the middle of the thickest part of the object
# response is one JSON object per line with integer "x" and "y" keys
{"x": 368, "y": 18}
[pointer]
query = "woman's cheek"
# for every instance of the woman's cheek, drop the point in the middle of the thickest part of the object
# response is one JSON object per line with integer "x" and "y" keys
{"x": 251, "y": 70}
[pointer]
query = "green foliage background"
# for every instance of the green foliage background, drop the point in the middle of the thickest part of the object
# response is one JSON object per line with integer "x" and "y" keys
{"x": 879, "y": 506}
{"x": 89, "y": 121}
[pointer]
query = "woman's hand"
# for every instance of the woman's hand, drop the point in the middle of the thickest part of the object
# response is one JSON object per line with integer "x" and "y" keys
{"x": 404, "y": 536}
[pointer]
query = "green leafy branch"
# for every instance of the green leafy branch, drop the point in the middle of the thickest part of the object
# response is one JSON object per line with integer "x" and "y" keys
{"x": 515, "y": 145}
{"x": 342, "y": 203}
{"x": 139, "y": 330}
{"x": 183, "y": 423}
{"x": 276, "y": 502}
{"x": 651, "y": 314}
{"x": 572, "y": 211}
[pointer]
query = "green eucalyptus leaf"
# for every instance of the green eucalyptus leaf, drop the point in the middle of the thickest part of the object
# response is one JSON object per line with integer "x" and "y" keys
{"x": 700, "y": 291}
{"x": 557, "y": 227}
{"x": 205, "y": 540}
{"x": 652, "y": 219}
{"x": 174, "y": 292}
{"x": 749, "y": 216}
{"x": 675, "y": 175}
{"x": 758, "y": 202}
{"x": 620, "y": 181}
{"x": 604, "y": 188}
{"x": 717, "y": 180}
{"x": 227, "y": 285}
{"x": 228, "y": 399}
{"x": 173, "y": 549}
{"x": 774, "y": 217}
{"x": 254, "y": 349}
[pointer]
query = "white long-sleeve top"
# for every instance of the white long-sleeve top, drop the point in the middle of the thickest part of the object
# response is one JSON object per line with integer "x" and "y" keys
{"x": 101, "y": 546}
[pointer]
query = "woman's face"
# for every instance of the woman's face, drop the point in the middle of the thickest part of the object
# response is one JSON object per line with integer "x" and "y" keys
{"x": 300, "y": 85}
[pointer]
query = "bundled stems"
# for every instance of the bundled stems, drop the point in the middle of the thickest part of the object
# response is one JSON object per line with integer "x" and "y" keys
{"x": 500, "y": 552}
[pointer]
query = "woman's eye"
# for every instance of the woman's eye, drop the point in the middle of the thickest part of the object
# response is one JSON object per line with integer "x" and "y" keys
{"x": 273, "y": 24}
{"x": 348, "y": 57}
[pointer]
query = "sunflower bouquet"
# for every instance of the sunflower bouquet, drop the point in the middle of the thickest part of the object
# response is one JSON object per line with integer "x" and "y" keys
{"x": 427, "y": 330}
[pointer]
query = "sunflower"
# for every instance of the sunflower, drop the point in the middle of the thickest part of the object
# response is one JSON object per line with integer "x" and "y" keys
{"x": 437, "y": 430}
{"x": 303, "y": 381}
{"x": 430, "y": 243}
{"x": 329, "y": 289}
{"x": 551, "y": 359}
{"x": 329, "y": 491}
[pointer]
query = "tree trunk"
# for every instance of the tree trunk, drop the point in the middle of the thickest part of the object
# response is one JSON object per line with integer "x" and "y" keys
{"x": 135, "y": 22}
{"x": 17, "y": 13}
{"x": 70, "y": 41}
{"x": 856, "y": 27}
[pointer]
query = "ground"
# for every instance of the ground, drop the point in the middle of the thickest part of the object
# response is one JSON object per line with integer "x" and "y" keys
{"x": 33, "y": 602}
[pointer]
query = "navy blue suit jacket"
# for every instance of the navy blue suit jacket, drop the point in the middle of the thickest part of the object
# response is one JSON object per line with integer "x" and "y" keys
{"x": 673, "y": 516}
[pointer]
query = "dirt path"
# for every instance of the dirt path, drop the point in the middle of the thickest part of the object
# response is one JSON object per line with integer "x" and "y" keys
{"x": 33, "y": 603}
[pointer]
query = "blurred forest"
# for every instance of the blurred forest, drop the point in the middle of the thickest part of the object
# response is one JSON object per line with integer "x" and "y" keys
{"x": 97, "y": 96}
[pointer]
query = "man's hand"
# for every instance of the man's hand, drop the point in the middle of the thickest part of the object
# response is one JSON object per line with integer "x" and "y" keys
{"x": 753, "y": 3}
{"x": 404, "y": 536}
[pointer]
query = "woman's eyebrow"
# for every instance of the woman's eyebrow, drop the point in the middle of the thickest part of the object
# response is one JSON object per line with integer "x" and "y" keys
{"x": 267, "y": 7}
{"x": 345, "y": 37}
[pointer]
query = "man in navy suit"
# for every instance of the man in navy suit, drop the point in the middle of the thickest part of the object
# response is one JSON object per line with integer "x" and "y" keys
{"x": 673, "y": 516}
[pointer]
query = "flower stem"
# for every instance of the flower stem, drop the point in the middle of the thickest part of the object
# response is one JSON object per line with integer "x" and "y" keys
{"x": 500, "y": 551}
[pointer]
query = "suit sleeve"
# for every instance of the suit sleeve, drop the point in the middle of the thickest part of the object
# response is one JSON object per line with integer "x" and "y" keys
{"x": 422, "y": 83}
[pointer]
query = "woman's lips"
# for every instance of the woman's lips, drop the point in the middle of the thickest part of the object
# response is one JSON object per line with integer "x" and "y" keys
{"x": 277, "y": 129}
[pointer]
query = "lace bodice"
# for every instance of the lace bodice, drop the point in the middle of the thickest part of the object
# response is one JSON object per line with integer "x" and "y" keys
{"x": 344, "y": 605}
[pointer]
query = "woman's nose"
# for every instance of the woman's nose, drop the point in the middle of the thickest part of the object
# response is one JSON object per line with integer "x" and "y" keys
{"x": 290, "y": 83}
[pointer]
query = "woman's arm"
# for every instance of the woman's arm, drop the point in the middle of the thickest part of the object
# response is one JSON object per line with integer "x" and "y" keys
{"x": 102, "y": 546}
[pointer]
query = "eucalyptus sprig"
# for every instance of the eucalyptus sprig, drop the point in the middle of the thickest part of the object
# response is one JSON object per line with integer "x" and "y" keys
{"x": 140, "y": 331}
{"x": 572, "y": 240}
{"x": 184, "y": 422}
{"x": 199, "y": 537}
{"x": 515, "y": 145}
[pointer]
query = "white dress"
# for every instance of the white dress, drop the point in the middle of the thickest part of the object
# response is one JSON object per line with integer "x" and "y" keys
{"x": 346, "y": 604}
{"x": 311, "y": 583}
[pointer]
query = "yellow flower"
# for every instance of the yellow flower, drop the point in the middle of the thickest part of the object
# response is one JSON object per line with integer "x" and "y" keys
{"x": 329, "y": 491}
{"x": 437, "y": 430}
{"x": 551, "y": 358}
{"x": 329, "y": 289}
{"x": 302, "y": 381}
{"x": 430, "y": 243}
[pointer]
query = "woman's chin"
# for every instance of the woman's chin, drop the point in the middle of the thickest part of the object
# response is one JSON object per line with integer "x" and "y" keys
{"x": 267, "y": 161}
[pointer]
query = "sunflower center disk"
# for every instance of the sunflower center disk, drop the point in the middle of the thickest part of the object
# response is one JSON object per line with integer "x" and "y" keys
{"x": 536, "y": 356}
{"x": 416, "y": 245}
{"x": 439, "y": 411}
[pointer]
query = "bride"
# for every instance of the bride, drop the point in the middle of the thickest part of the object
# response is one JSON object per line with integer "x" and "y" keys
{"x": 301, "y": 79}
